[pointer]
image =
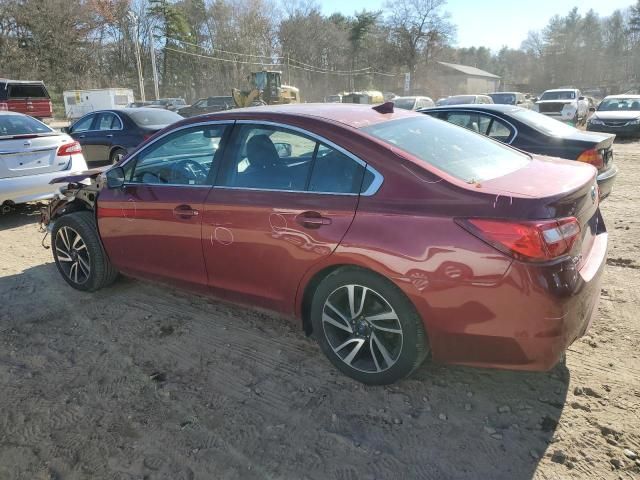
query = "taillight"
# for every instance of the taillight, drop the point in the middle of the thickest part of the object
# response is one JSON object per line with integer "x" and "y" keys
{"x": 534, "y": 241}
{"x": 69, "y": 149}
{"x": 592, "y": 157}
{"x": 4, "y": 106}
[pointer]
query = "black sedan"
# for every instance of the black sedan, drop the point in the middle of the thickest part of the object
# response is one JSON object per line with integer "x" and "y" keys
{"x": 208, "y": 105}
{"x": 619, "y": 114}
{"x": 536, "y": 133}
{"x": 108, "y": 135}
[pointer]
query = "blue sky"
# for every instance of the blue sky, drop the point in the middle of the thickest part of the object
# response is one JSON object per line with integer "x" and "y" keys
{"x": 493, "y": 23}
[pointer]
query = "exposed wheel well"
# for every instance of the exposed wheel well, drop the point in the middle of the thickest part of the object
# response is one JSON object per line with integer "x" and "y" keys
{"x": 307, "y": 297}
{"x": 114, "y": 149}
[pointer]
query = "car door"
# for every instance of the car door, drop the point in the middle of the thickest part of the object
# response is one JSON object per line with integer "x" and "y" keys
{"x": 283, "y": 200}
{"x": 82, "y": 131}
{"x": 106, "y": 130}
{"x": 151, "y": 227}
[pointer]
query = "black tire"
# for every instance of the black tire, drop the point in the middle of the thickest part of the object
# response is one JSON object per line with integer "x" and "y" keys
{"x": 92, "y": 257}
{"x": 406, "y": 349}
{"x": 116, "y": 155}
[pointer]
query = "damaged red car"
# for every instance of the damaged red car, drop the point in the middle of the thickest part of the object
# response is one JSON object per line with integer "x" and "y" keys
{"x": 389, "y": 235}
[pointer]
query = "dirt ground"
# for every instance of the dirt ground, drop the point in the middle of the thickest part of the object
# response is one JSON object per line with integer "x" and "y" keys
{"x": 143, "y": 382}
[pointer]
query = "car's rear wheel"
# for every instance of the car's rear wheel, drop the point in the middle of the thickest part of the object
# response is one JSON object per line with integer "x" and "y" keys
{"x": 117, "y": 155}
{"x": 78, "y": 252}
{"x": 367, "y": 327}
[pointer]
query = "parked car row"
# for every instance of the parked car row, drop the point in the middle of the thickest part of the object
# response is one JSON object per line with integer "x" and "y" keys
{"x": 298, "y": 208}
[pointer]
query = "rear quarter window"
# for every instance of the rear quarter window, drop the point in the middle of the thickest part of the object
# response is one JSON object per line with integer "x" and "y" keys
{"x": 457, "y": 151}
{"x": 27, "y": 91}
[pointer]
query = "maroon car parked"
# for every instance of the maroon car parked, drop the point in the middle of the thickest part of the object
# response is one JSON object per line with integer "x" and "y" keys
{"x": 389, "y": 235}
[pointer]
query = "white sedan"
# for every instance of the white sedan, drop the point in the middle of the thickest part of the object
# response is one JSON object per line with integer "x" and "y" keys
{"x": 31, "y": 155}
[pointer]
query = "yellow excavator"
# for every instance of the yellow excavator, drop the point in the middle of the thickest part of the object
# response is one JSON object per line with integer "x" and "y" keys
{"x": 265, "y": 88}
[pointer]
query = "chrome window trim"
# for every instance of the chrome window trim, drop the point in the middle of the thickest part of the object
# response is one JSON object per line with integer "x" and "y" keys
{"x": 472, "y": 110}
{"x": 98, "y": 112}
{"x": 378, "y": 178}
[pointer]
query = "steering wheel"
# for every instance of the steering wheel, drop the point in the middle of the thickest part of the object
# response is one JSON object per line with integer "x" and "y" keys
{"x": 188, "y": 170}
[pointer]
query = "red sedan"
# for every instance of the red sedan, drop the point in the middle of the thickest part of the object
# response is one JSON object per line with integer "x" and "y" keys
{"x": 389, "y": 235}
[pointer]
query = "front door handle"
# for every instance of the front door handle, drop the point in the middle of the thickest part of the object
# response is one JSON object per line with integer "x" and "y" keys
{"x": 184, "y": 212}
{"x": 109, "y": 136}
{"x": 81, "y": 136}
{"x": 312, "y": 220}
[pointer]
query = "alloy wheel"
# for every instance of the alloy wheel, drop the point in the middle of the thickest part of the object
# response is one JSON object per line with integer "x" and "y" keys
{"x": 72, "y": 254}
{"x": 362, "y": 328}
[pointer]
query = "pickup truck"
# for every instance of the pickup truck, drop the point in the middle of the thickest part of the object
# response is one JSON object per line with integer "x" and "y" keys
{"x": 564, "y": 104}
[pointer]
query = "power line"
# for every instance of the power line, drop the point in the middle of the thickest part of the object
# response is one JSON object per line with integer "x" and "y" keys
{"x": 263, "y": 64}
{"x": 300, "y": 66}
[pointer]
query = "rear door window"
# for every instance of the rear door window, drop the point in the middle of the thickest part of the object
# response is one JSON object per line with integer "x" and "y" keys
{"x": 499, "y": 130}
{"x": 108, "y": 121}
{"x": 456, "y": 151}
{"x": 27, "y": 91}
{"x": 335, "y": 172}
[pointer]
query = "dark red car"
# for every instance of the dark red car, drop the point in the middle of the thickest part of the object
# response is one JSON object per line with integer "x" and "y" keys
{"x": 389, "y": 236}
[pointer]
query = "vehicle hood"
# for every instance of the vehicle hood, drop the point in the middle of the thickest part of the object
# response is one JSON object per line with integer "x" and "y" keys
{"x": 78, "y": 177}
{"x": 603, "y": 115}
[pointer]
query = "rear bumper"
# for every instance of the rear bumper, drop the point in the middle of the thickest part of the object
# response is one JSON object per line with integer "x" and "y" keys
{"x": 526, "y": 321}
{"x": 32, "y": 188}
{"x": 606, "y": 180}
{"x": 624, "y": 131}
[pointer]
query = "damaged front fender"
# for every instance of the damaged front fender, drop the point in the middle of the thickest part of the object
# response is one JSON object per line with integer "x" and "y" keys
{"x": 80, "y": 193}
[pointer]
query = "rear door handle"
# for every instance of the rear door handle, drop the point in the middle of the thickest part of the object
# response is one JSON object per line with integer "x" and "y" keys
{"x": 81, "y": 136}
{"x": 109, "y": 136}
{"x": 185, "y": 212}
{"x": 312, "y": 220}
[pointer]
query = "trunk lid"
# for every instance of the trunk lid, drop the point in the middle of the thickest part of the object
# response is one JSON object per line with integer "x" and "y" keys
{"x": 22, "y": 155}
{"x": 556, "y": 189}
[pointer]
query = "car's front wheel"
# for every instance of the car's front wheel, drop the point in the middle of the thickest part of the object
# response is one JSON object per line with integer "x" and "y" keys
{"x": 117, "y": 155}
{"x": 78, "y": 252}
{"x": 367, "y": 327}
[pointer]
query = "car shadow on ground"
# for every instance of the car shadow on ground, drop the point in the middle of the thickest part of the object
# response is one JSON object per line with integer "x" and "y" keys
{"x": 155, "y": 380}
{"x": 20, "y": 215}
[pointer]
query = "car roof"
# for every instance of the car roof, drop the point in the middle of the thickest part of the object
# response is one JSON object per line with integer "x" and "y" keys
{"x": 560, "y": 90}
{"x": 491, "y": 107}
{"x": 503, "y": 93}
{"x": 10, "y": 113}
{"x": 351, "y": 114}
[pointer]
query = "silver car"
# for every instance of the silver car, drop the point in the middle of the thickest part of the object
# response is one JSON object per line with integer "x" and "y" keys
{"x": 31, "y": 155}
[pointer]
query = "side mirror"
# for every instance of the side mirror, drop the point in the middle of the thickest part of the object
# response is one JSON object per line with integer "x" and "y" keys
{"x": 592, "y": 109}
{"x": 519, "y": 102}
{"x": 581, "y": 98}
{"x": 283, "y": 149}
{"x": 66, "y": 130}
{"x": 115, "y": 177}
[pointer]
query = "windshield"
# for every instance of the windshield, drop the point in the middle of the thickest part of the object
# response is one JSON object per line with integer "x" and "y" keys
{"x": 463, "y": 154}
{"x": 542, "y": 123}
{"x": 561, "y": 95}
{"x": 503, "y": 98}
{"x": 459, "y": 100}
{"x": 406, "y": 103}
{"x": 21, "y": 125}
{"x": 619, "y": 105}
{"x": 154, "y": 117}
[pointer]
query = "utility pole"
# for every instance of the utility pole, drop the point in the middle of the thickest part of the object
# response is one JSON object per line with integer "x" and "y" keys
{"x": 288, "y": 71}
{"x": 134, "y": 20}
{"x": 153, "y": 64}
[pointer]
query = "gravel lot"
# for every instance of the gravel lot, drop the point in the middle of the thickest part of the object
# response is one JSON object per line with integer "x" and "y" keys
{"x": 143, "y": 382}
